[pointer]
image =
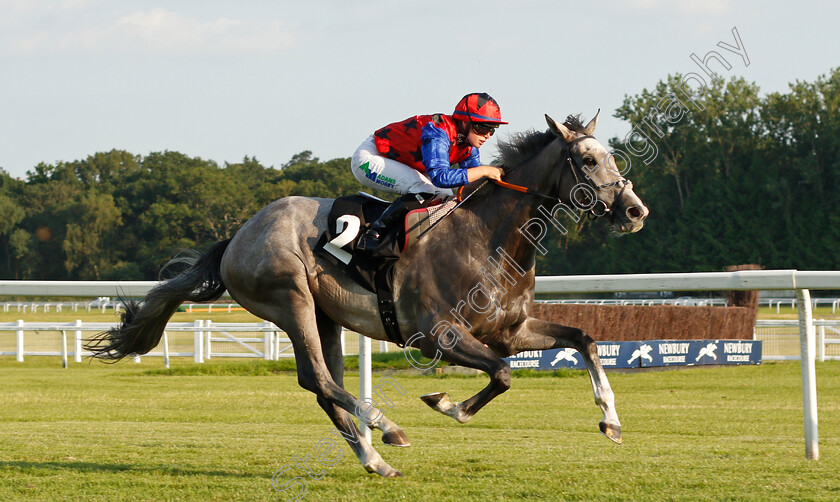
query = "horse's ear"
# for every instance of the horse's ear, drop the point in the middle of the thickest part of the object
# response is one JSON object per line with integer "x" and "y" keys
{"x": 590, "y": 127}
{"x": 559, "y": 129}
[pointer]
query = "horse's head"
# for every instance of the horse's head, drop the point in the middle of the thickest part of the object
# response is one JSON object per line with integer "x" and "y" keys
{"x": 596, "y": 184}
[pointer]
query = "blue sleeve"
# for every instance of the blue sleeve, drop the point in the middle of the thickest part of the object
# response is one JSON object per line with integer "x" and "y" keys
{"x": 435, "y": 148}
{"x": 473, "y": 160}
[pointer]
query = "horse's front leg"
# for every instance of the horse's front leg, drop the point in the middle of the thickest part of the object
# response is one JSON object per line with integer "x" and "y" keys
{"x": 535, "y": 334}
{"x": 454, "y": 344}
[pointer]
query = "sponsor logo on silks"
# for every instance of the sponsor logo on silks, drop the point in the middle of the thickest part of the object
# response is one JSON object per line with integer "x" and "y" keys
{"x": 708, "y": 350}
{"x": 382, "y": 180}
{"x": 642, "y": 352}
{"x": 565, "y": 355}
{"x": 368, "y": 174}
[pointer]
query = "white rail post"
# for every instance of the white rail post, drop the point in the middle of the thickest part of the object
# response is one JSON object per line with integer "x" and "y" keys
{"x": 165, "y": 350}
{"x": 208, "y": 348}
{"x": 64, "y": 349}
{"x": 77, "y": 335}
{"x": 268, "y": 342}
{"x": 198, "y": 336}
{"x": 821, "y": 343}
{"x": 809, "y": 379}
{"x": 275, "y": 345}
{"x": 365, "y": 384}
{"x": 20, "y": 341}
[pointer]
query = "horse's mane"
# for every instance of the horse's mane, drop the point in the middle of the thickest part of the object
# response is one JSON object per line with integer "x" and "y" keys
{"x": 573, "y": 122}
{"x": 522, "y": 145}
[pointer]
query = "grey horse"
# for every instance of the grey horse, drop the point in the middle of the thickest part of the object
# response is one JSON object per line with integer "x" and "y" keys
{"x": 463, "y": 292}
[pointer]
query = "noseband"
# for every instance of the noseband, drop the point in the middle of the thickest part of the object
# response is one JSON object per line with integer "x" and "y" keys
{"x": 597, "y": 207}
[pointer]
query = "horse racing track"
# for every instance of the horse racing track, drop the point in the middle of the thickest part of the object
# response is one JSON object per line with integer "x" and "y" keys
{"x": 222, "y": 431}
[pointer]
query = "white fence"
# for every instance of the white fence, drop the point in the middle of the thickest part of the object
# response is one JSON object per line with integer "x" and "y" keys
{"x": 34, "y": 307}
{"x": 687, "y": 302}
{"x": 780, "y": 339}
{"x": 200, "y": 340}
{"x": 792, "y": 303}
{"x": 205, "y": 340}
{"x": 185, "y": 339}
{"x": 104, "y": 304}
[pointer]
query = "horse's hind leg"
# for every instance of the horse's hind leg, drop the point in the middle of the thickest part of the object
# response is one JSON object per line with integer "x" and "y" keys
{"x": 330, "y": 333}
{"x": 469, "y": 352}
{"x": 536, "y": 334}
{"x": 298, "y": 319}
{"x": 370, "y": 458}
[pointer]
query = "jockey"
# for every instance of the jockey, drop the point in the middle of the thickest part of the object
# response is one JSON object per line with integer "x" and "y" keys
{"x": 415, "y": 156}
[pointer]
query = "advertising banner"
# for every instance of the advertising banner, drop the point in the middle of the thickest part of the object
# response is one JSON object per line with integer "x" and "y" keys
{"x": 651, "y": 353}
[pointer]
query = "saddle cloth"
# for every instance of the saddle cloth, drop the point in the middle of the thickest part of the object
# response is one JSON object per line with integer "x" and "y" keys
{"x": 347, "y": 219}
{"x": 375, "y": 270}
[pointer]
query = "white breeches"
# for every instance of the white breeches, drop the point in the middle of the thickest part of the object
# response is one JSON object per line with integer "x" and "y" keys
{"x": 380, "y": 173}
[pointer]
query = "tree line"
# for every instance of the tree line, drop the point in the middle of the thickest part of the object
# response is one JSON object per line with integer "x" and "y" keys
{"x": 738, "y": 177}
{"x": 116, "y": 215}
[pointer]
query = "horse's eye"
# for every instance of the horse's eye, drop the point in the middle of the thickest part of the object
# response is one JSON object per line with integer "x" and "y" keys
{"x": 589, "y": 161}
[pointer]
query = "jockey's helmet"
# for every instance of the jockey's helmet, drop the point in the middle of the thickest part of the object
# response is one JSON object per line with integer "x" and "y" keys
{"x": 478, "y": 107}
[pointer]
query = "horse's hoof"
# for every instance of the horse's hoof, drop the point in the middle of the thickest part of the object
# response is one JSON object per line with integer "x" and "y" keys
{"x": 439, "y": 401}
{"x": 396, "y": 438}
{"x": 613, "y": 432}
{"x": 384, "y": 470}
{"x": 434, "y": 399}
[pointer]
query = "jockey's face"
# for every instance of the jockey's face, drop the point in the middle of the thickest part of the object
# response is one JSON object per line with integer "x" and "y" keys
{"x": 475, "y": 139}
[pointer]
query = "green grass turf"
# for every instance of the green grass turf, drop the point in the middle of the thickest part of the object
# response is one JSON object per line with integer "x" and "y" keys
{"x": 132, "y": 432}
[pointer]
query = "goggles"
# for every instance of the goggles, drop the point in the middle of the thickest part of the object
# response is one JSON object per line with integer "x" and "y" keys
{"x": 483, "y": 129}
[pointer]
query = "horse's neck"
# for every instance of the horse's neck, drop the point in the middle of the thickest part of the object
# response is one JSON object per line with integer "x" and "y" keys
{"x": 505, "y": 211}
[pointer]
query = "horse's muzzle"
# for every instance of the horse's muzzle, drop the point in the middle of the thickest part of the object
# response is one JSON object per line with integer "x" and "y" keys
{"x": 631, "y": 219}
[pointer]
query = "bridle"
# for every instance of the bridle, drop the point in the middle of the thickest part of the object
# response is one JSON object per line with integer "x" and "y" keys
{"x": 591, "y": 202}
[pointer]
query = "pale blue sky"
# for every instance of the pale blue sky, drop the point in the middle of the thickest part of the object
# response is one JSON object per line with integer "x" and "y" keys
{"x": 270, "y": 78}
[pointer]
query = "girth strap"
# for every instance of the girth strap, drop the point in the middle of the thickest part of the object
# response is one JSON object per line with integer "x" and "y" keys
{"x": 387, "y": 307}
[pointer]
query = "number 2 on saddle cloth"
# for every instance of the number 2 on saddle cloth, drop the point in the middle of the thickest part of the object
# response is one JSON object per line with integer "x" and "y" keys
{"x": 375, "y": 270}
{"x": 347, "y": 220}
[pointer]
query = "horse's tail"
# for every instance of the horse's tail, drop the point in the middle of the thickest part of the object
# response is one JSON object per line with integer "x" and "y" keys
{"x": 142, "y": 326}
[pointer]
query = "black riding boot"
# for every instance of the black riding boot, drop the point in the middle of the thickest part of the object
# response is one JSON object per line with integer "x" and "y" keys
{"x": 369, "y": 240}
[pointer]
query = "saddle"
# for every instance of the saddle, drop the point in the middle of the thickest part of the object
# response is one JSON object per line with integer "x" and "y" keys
{"x": 420, "y": 221}
{"x": 375, "y": 270}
